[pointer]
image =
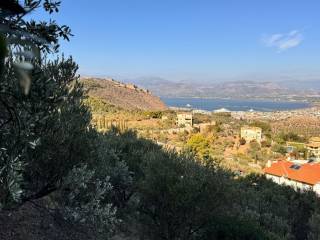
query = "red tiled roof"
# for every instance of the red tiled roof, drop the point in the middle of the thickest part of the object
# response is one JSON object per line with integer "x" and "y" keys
{"x": 307, "y": 173}
{"x": 313, "y": 144}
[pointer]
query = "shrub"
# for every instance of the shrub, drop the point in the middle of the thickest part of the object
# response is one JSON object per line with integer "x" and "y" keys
{"x": 242, "y": 141}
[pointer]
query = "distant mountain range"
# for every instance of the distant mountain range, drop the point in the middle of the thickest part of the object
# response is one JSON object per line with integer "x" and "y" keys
{"x": 231, "y": 89}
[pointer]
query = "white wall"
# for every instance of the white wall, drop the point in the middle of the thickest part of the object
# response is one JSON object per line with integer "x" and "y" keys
{"x": 294, "y": 184}
{"x": 316, "y": 188}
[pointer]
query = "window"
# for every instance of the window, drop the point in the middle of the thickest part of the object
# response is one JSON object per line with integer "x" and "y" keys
{"x": 295, "y": 166}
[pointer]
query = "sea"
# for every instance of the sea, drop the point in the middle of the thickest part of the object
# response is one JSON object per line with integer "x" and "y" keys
{"x": 234, "y": 104}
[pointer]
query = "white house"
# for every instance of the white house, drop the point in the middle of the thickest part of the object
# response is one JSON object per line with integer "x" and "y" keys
{"x": 251, "y": 133}
{"x": 184, "y": 119}
{"x": 313, "y": 148}
{"x": 304, "y": 176}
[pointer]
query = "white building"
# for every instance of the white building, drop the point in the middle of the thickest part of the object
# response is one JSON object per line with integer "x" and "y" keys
{"x": 222, "y": 110}
{"x": 251, "y": 133}
{"x": 304, "y": 176}
{"x": 313, "y": 148}
{"x": 184, "y": 119}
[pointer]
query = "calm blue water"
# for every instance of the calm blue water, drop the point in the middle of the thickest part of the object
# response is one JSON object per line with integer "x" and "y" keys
{"x": 234, "y": 104}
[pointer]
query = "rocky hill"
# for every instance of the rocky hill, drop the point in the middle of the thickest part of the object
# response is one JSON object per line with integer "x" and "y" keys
{"x": 127, "y": 96}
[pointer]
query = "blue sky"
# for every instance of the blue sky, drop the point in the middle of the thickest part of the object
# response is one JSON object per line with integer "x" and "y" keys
{"x": 209, "y": 40}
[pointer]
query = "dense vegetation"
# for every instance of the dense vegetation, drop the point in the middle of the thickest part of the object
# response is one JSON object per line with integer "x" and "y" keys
{"x": 116, "y": 183}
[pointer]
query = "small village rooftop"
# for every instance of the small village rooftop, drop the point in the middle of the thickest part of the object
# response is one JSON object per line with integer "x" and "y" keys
{"x": 307, "y": 173}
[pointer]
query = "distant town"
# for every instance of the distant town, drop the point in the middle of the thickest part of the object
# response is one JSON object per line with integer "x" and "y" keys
{"x": 283, "y": 145}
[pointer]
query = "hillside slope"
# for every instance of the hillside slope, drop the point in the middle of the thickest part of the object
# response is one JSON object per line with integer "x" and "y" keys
{"x": 127, "y": 96}
{"x": 35, "y": 221}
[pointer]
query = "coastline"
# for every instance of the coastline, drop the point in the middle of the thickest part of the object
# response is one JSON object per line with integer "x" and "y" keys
{"x": 309, "y": 112}
{"x": 236, "y": 104}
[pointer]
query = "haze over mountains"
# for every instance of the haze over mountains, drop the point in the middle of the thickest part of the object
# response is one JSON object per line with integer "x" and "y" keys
{"x": 287, "y": 89}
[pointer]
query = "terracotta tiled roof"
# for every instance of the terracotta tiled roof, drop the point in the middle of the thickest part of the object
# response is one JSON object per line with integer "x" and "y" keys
{"x": 307, "y": 173}
{"x": 315, "y": 139}
{"x": 313, "y": 144}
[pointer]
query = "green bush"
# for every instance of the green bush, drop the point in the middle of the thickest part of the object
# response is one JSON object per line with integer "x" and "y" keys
{"x": 279, "y": 149}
